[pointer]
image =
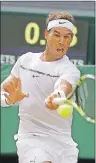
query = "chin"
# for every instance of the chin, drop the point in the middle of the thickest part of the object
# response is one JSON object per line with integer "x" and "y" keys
{"x": 59, "y": 57}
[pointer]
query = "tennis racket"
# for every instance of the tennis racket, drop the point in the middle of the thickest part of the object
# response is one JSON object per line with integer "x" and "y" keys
{"x": 85, "y": 98}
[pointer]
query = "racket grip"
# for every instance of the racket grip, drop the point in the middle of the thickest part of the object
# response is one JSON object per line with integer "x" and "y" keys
{"x": 59, "y": 101}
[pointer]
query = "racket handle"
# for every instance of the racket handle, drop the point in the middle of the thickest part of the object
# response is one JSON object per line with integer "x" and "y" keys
{"x": 59, "y": 101}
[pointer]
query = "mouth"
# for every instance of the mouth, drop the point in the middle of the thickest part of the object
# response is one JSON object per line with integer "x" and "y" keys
{"x": 60, "y": 50}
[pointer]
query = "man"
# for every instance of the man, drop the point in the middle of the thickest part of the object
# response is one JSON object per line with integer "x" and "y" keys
{"x": 35, "y": 80}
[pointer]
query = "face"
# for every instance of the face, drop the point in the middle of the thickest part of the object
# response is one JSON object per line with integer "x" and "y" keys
{"x": 58, "y": 41}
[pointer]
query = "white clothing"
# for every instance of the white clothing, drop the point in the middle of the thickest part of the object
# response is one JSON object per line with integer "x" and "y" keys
{"x": 39, "y": 79}
{"x": 38, "y": 149}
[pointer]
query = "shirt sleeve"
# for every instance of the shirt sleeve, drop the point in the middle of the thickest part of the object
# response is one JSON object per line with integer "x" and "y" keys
{"x": 16, "y": 67}
{"x": 22, "y": 59}
{"x": 72, "y": 77}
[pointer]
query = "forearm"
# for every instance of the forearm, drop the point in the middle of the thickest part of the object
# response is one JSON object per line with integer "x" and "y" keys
{"x": 63, "y": 89}
{"x": 6, "y": 88}
{"x": 65, "y": 86}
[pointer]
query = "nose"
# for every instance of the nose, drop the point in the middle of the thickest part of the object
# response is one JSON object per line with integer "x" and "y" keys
{"x": 61, "y": 40}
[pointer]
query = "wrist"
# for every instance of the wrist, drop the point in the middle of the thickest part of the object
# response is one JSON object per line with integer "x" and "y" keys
{"x": 61, "y": 98}
{"x": 60, "y": 93}
{"x": 3, "y": 100}
{"x": 7, "y": 101}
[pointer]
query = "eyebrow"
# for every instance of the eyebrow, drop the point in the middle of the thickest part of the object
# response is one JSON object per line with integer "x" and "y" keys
{"x": 57, "y": 32}
{"x": 65, "y": 34}
{"x": 68, "y": 34}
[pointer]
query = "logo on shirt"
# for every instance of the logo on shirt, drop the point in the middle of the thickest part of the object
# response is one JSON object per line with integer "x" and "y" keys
{"x": 38, "y": 73}
{"x": 34, "y": 76}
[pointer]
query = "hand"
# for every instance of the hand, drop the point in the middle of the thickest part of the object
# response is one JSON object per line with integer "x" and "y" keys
{"x": 15, "y": 94}
{"x": 49, "y": 102}
{"x": 10, "y": 85}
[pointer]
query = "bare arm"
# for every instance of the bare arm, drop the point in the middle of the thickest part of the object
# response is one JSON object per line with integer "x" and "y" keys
{"x": 65, "y": 87}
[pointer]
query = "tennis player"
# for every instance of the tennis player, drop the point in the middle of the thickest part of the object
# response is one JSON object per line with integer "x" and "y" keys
{"x": 35, "y": 80}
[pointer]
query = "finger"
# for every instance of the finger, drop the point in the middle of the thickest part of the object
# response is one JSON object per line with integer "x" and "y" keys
{"x": 52, "y": 97}
{"x": 8, "y": 99}
{"x": 54, "y": 106}
{"x": 25, "y": 95}
{"x": 6, "y": 95}
{"x": 19, "y": 84}
{"x": 22, "y": 95}
{"x": 14, "y": 84}
{"x": 11, "y": 87}
{"x": 51, "y": 106}
{"x": 8, "y": 87}
{"x": 49, "y": 100}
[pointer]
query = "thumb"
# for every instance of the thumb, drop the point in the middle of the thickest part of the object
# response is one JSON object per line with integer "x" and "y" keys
{"x": 25, "y": 95}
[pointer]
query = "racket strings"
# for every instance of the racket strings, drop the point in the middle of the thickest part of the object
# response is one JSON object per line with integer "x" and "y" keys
{"x": 85, "y": 98}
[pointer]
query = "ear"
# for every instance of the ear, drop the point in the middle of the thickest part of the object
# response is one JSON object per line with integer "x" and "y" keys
{"x": 46, "y": 34}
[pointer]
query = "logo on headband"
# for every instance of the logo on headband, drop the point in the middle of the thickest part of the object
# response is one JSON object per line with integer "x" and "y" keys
{"x": 62, "y": 22}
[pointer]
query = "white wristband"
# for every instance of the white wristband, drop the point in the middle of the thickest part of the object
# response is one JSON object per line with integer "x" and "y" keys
{"x": 3, "y": 99}
{"x": 57, "y": 100}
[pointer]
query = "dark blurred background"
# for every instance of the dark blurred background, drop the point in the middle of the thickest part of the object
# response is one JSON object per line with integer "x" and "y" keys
{"x": 22, "y": 30}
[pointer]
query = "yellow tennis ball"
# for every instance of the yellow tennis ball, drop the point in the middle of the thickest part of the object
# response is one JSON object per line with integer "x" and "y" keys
{"x": 65, "y": 110}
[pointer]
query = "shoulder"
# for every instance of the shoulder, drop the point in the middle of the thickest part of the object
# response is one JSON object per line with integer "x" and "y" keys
{"x": 69, "y": 67}
{"x": 28, "y": 57}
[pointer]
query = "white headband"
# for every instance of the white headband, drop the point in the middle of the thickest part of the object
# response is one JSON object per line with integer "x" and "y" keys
{"x": 60, "y": 23}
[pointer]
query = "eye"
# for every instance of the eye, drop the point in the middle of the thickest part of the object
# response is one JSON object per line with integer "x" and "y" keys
{"x": 56, "y": 35}
{"x": 66, "y": 37}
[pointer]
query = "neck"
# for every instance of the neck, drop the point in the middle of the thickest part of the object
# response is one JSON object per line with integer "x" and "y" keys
{"x": 48, "y": 56}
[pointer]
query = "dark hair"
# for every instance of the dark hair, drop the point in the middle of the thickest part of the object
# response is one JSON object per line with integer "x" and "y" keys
{"x": 60, "y": 15}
